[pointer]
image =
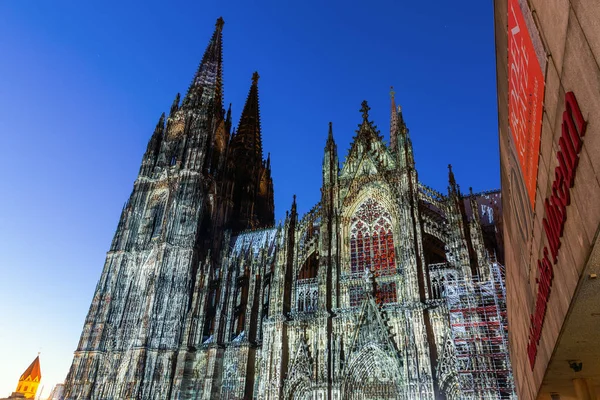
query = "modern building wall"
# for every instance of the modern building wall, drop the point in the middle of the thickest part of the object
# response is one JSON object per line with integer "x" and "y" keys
{"x": 566, "y": 318}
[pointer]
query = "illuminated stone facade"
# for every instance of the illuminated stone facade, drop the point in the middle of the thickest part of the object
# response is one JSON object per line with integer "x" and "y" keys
{"x": 202, "y": 297}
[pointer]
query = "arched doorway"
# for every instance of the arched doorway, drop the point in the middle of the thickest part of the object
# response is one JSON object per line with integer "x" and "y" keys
{"x": 372, "y": 374}
{"x": 300, "y": 391}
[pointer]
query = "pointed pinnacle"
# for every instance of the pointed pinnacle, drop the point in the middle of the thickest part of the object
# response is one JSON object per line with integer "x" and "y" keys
{"x": 175, "y": 104}
{"x": 392, "y": 93}
{"x": 219, "y": 24}
{"x": 255, "y": 77}
{"x": 365, "y": 110}
{"x": 161, "y": 122}
{"x": 451, "y": 178}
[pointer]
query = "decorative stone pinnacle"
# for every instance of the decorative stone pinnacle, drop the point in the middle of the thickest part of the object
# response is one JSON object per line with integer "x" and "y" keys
{"x": 365, "y": 110}
{"x": 392, "y": 92}
{"x": 255, "y": 78}
{"x": 220, "y": 23}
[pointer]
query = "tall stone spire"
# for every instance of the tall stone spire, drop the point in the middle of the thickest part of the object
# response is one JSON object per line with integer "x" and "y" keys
{"x": 253, "y": 193}
{"x": 153, "y": 148}
{"x": 249, "y": 133}
{"x": 393, "y": 121}
{"x": 208, "y": 80}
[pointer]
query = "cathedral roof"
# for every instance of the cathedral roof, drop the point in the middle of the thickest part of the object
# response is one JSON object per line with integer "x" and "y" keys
{"x": 33, "y": 371}
{"x": 254, "y": 240}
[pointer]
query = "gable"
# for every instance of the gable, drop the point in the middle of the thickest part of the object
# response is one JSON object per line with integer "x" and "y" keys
{"x": 367, "y": 160}
{"x": 371, "y": 328}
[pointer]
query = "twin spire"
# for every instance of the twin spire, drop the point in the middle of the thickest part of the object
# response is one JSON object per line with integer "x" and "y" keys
{"x": 207, "y": 86}
{"x": 208, "y": 80}
{"x": 248, "y": 134}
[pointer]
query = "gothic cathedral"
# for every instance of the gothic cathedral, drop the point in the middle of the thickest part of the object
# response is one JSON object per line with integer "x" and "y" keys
{"x": 386, "y": 289}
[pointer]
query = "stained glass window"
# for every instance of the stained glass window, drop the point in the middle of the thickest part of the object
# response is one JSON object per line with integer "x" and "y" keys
{"x": 371, "y": 240}
{"x": 386, "y": 293}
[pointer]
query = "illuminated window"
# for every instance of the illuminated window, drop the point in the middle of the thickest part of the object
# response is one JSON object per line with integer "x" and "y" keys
{"x": 386, "y": 293}
{"x": 371, "y": 240}
{"x": 357, "y": 295}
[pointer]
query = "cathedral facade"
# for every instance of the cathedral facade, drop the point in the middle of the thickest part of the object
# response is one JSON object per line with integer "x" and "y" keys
{"x": 386, "y": 289}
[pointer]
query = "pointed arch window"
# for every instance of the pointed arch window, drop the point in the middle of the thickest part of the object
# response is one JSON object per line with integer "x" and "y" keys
{"x": 371, "y": 240}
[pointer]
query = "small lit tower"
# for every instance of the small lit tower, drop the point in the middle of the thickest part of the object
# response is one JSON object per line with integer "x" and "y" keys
{"x": 30, "y": 380}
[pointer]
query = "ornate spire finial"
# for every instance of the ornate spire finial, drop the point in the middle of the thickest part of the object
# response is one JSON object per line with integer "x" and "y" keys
{"x": 330, "y": 143}
{"x": 453, "y": 186}
{"x": 365, "y": 110}
{"x": 255, "y": 78}
{"x": 219, "y": 24}
{"x": 392, "y": 92}
{"x": 294, "y": 210}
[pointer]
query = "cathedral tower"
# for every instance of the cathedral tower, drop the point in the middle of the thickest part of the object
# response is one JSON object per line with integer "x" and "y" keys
{"x": 136, "y": 326}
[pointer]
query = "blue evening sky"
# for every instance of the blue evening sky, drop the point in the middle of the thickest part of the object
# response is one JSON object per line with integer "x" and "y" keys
{"x": 83, "y": 84}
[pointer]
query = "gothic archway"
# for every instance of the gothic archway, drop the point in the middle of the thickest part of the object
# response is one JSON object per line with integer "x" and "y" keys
{"x": 300, "y": 391}
{"x": 372, "y": 374}
{"x": 298, "y": 383}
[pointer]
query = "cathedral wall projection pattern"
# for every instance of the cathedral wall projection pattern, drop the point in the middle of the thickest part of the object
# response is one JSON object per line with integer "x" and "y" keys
{"x": 385, "y": 289}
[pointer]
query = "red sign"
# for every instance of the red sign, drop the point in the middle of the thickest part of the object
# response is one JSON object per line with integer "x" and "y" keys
{"x": 525, "y": 96}
{"x": 555, "y": 216}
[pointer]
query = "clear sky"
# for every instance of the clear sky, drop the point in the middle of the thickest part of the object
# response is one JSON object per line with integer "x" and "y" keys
{"x": 82, "y": 85}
